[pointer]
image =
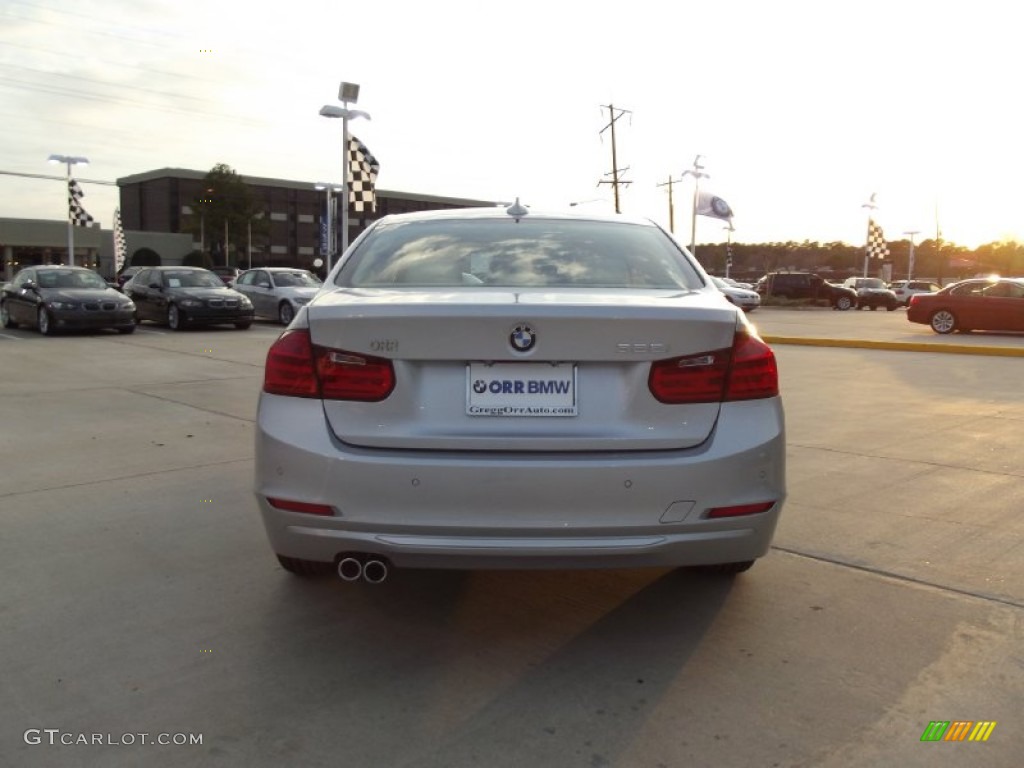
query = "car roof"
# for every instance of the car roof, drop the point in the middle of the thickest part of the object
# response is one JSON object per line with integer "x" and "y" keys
{"x": 277, "y": 269}
{"x": 499, "y": 213}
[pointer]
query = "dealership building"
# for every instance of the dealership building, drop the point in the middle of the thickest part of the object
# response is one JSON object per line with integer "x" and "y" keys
{"x": 159, "y": 225}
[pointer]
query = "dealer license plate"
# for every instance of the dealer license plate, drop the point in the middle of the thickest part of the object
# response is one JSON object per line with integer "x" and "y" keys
{"x": 520, "y": 389}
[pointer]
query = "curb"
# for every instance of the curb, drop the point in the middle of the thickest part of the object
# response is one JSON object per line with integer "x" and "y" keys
{"x": 899, "y": 346}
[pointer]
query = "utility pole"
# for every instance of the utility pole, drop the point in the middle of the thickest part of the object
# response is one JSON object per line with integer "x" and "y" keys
{"x": 671, "y": 207}
{"x": 614, "y": 115}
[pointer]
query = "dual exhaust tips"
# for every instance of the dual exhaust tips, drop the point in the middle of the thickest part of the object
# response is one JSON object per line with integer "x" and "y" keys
{"x": 371, "y": 569}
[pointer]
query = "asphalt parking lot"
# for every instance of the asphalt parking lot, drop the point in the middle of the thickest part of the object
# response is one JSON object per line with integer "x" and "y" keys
{"x": 138, "y": 594}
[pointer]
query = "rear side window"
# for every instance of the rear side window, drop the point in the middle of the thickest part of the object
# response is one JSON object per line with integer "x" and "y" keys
{"x": 529, "y": 253}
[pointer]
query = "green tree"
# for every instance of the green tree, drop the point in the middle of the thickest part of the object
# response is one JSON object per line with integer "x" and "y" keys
{"x": 225, "y": 211}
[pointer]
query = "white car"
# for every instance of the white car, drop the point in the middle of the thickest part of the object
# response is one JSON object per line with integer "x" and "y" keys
{"x": 497, "y": 388}
{"x": 278, "y": 292}
{"x": 904, "y": 289}
{"x": 746, "y": 300}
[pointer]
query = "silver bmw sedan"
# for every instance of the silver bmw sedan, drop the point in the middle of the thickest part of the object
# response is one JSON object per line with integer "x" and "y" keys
{"x": 499, "y": 388}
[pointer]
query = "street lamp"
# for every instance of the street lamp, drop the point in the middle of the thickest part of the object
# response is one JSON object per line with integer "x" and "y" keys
{"x": 348, "y": 92}
{"x": 329, "y": 218}
{"x": 68, "y": 161}
{"x": 910, "y": 262}
{"x": 729, "y": 229}
{"x": 698, "y": 174}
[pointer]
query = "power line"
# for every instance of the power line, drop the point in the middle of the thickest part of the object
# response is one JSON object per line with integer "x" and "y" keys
{"x": 57, "y": 178}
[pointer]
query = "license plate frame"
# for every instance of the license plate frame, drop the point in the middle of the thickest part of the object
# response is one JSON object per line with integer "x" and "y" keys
{"x": 530, "y": 390}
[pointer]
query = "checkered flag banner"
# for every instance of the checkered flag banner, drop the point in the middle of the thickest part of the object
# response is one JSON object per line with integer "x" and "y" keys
{"x": 78, "y": 215}
{"x": 120, "y": 244}
{"x": 362, "y": 176}
{"x": 728, "y": 254}
{"x": 876, "y": 247}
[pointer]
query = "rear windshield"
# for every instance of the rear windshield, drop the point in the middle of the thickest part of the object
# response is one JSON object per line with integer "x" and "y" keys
{"x": 530, "y": 253}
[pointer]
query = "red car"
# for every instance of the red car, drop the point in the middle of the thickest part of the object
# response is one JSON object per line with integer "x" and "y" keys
{"x": 985, "y": 304}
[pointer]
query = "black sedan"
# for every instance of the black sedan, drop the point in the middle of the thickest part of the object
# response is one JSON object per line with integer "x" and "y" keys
{"x": 54, "y": 298}
{"x": 181, "y": 296}
{"x": 994, "y": 304}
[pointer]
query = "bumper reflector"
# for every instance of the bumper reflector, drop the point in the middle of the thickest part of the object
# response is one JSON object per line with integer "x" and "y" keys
{"x": 302, "y": 506}
{"x": 740, "y": 509}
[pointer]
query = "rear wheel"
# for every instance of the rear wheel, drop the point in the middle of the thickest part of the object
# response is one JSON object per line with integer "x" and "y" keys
{"x": 43, "y": 321}
{"x": 5, "y": 317}
{"x": 175, "y": 319}
{"x": 307, "y": 569}
{"x": 943, "y": 321}
{"x": 285, "y": 313}
{"x": 127, "y": 329}
{"x": 243, "y": 325}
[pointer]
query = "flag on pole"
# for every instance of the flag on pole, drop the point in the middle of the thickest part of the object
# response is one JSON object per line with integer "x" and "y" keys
{"x": 876, "y": 247}
{"x": 713, "y": 206}
{"x": 78, "y": 215}
{"x": 362, "y": 176}
{"x": 120, "y": 244}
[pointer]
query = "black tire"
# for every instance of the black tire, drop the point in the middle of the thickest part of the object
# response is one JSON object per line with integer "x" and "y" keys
{"x": 307, "y": 569}
{"x": 243, "y": 325}
{"x": 843, "y": 303}
{"x": 286, "y": 313}
{"x": 44, "y": 323}
{"x": 175, "y": 318}
{"x": 5, "y": 317}
{"x": 728, "y": 569}
{"x": 127, "y": 329}
{"x": 874, "y": 307}
{"x": 943, "y": 321}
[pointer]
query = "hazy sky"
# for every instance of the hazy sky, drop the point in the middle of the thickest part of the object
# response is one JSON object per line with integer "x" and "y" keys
{"x": 801, "y": 110}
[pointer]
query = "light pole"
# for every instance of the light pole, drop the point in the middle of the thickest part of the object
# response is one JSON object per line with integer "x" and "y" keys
{"x": 698, "y": 174}
{"x": 729, "y": 229}
{"x": 910, "y": 262}
{"x": 68, "y": 161}
{"x": 348, "y": 92}
{"x": 329, "y": 218}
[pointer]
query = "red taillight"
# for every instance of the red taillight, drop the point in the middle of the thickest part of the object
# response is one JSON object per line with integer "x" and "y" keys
{"x": 693, "y": 379}
{"x": 298, "y": 368}
{"x": 740, "y": 509}
{"x": 753, "y": 374}
{"x": 346, "y": 376}
{"x": 289, "y": 369}
{"x": 302, "y": 506}
{"x": 746, "y": 371}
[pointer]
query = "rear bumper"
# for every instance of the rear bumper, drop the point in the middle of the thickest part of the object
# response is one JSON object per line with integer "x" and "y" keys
{"x": 514, "y": 510}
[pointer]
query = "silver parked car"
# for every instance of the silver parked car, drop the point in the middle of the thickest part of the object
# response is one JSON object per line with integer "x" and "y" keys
{"x": 492, "y": 388}
{"x": 746, "y": 300}
{"x": 278, "y": 292}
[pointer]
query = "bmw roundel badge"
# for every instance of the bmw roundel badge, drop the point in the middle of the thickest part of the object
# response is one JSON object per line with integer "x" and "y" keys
{"x": 523, "y": 338}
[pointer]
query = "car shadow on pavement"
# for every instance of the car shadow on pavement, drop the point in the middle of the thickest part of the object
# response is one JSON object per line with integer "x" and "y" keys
{"x": 584, "y": 655}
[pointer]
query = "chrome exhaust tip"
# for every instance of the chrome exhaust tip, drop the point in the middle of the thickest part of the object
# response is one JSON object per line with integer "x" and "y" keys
{"x": 350, "y": 568}
{"x": 375, "y": 571}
